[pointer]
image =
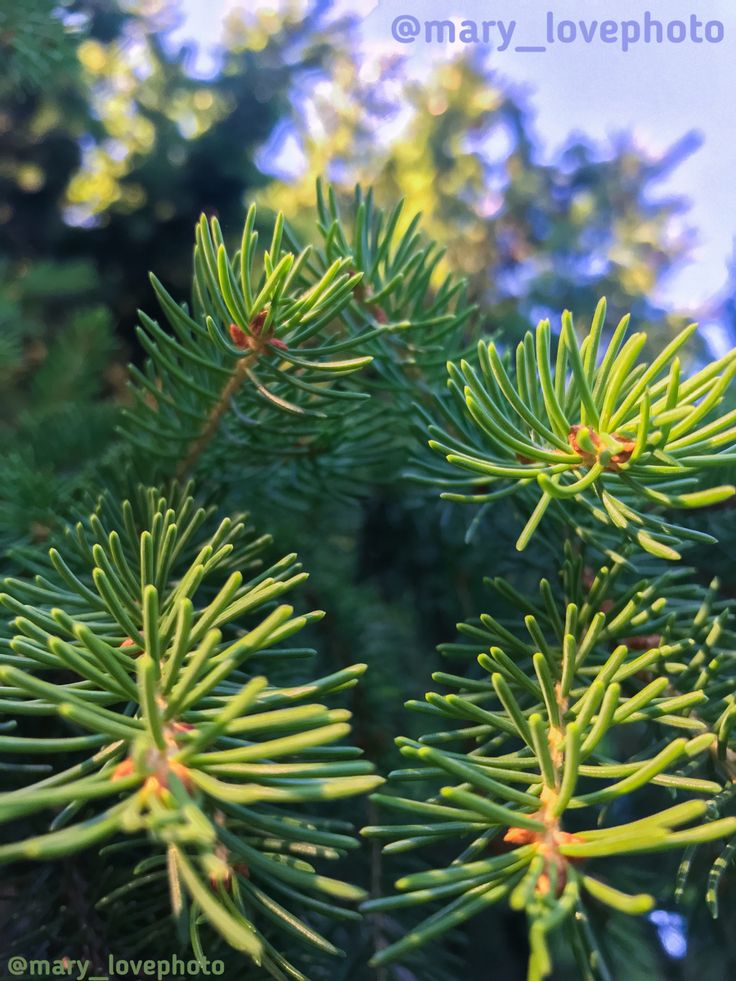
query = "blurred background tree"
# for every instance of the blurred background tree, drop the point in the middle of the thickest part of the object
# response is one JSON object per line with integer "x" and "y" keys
{"x": 532, "y": 236}
{"x": 112, "y": 143}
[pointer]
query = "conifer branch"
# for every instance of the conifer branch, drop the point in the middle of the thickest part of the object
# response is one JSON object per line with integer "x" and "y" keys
{"x": 618, "y": 438}
{"x": 540, "y": 712}
{"x": 181, "y": 739}
{"x": 145, "y": 643}
{"x": 253, "y": 365}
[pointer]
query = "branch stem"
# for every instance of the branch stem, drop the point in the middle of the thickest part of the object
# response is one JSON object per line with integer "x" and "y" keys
{"x": 189, "y": 461}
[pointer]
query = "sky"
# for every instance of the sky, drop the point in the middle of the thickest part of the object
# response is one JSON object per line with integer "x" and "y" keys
{"x": 659, "y": 91}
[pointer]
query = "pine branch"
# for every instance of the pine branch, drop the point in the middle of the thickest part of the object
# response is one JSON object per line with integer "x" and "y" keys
{"x": 252, "y": 371}
{"x": 140, "y": 722}
{"x": 611, "y": 436}
{"x": 180, "y": 739}
{"x": 545, "y": 716}
{"x": 245, "y": 323}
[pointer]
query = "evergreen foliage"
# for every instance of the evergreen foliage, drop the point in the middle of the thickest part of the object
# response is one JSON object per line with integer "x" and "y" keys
{"x": 265, "y": 361}
{"x": 59, "y": 375}
{"x": 600, "y": 431}
{"x": 184, "y": 741}
{"x": 156, "y": 707}
{"x": 547, "y": 710}
{"x": 576, "y": 760}
{"x": 35, "y": 46}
